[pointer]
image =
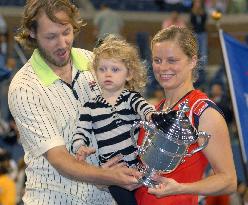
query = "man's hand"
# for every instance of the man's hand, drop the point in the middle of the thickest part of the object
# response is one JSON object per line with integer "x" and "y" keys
{"x": 82, "y": 171}
{"x": 127, "y": 177}
{"x": 83, "y": 152}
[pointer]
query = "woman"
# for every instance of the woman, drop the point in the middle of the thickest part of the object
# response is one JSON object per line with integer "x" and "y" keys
{"x": 174, "y": 55}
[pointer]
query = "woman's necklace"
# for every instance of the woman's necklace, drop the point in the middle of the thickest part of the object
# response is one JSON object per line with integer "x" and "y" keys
{"x": 168, "y": 107}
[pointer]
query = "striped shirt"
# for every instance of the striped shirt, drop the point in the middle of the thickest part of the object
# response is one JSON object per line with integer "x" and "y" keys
{"x": 46, "y": 112}
{"x": 111, "y": 125}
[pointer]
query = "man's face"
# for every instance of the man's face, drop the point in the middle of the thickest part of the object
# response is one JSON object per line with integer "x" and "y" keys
{"x": 54, "y": 40}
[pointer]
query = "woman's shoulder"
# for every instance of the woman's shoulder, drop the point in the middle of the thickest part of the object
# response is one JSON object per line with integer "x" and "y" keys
{"x": 199, "y": 102}
{"x": 197, "y": 95}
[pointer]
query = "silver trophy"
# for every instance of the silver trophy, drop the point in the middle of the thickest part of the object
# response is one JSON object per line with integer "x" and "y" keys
{"x": 166, "y": 142}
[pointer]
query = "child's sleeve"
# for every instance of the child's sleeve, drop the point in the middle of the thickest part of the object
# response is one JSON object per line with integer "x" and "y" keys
{"x": 81, "y": 136}
{"x": 141, "y": 106}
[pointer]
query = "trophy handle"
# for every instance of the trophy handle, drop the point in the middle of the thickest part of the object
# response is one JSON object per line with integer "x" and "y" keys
{"x": 205, "y": 137}
{"x": 144, "y": 145}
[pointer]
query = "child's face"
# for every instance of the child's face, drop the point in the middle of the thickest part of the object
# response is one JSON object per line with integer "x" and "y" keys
{"x": 112, "y": 75}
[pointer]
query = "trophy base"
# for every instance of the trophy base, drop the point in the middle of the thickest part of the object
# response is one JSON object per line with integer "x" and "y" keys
{"x": 147, "y": 181}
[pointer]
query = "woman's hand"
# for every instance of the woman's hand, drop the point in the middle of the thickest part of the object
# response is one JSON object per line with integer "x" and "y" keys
{"x": 165, "y": 187}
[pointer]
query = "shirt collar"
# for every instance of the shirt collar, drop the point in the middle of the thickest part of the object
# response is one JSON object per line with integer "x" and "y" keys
{"x": 47, "y": 75}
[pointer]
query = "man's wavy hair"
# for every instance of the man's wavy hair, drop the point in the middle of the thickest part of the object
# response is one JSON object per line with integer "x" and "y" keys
{"x": 31, "y": 12}
{"x": 115, "y": 47}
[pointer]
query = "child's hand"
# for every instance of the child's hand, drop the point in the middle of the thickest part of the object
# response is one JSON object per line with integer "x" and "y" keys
{"x": 84, "y": 152}
{"x": 149, "y": 116}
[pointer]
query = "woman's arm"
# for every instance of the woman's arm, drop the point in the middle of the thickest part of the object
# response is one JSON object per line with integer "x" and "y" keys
{"x": 219, "y": 155}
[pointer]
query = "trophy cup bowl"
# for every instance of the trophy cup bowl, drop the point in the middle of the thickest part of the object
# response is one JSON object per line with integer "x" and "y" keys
{"x": 166, "y": 142}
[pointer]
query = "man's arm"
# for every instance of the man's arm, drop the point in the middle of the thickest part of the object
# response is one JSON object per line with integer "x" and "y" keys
{"x": 40, "y": 136}
{"x": 71, "y": 168}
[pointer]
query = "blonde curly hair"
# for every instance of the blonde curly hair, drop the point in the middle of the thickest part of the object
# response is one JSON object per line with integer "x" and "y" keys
{"x": 115, "y": 47}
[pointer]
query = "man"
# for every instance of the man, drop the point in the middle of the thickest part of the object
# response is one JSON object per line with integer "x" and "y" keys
{"x": 107, "y": 21}
{"x": 44, "y": 97}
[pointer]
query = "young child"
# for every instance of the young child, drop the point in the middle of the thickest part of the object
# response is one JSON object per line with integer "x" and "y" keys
{"x": 109, "y": 117}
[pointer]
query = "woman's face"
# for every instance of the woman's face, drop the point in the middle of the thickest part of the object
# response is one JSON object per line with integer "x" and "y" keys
{"x": 171, "y": 67}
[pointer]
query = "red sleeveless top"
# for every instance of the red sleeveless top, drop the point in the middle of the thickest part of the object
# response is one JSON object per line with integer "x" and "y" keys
{"x": 191, "y": 170}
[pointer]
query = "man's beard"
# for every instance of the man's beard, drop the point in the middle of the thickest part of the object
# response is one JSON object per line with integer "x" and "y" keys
{"x": 50, "y": 59}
